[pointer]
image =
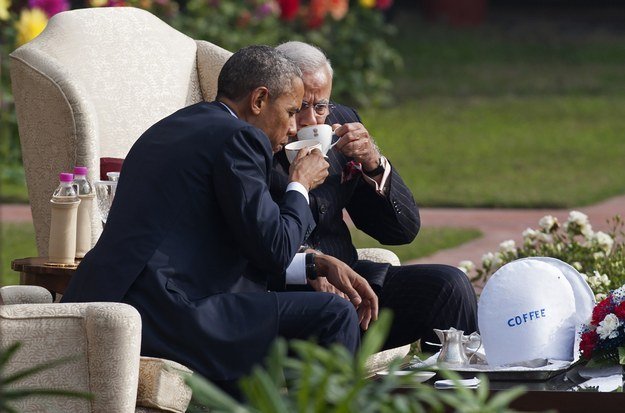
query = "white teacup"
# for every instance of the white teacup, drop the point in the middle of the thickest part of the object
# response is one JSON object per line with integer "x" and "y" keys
{"x": 322, "y": 133}
{"x": 293, "y": 148}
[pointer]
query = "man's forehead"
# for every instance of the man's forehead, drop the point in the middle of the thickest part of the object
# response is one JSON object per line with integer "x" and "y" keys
{"x": 318, "y": 81}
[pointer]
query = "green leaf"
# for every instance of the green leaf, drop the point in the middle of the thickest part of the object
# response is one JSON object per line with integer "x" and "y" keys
{"x": 374, "y": 337}
{"x": 621, "y": 355}
{"x": 206, "y": 393}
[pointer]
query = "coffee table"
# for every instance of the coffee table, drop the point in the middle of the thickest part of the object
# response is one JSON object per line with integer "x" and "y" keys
{"x": 33, "y": 271}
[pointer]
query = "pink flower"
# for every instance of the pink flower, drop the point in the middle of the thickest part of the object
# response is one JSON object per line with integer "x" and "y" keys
{"x": 50, "y": 7}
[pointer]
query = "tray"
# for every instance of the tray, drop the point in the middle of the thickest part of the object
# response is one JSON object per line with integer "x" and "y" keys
{"x": 515, "y": 373}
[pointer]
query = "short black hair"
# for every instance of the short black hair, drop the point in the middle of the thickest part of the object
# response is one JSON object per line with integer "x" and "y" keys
{"x": 255, "y": 66}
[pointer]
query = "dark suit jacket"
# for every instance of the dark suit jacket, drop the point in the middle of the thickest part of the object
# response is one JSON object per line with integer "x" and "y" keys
{"x": 392, "y": 220}
{"x": 192, "y": 212}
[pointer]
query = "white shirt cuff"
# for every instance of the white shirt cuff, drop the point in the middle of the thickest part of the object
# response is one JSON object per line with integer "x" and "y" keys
{"x": 380, "y": 188}
{"x": 296, "y": 271}
{"x": 296, "y": 186}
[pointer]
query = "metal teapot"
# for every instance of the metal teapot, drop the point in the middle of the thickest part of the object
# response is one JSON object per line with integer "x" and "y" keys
{"x": 454, "y": 346}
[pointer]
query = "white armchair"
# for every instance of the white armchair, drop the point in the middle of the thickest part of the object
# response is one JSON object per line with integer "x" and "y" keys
{"x": 91, "y": 83}
{"x": 105, "y": 338}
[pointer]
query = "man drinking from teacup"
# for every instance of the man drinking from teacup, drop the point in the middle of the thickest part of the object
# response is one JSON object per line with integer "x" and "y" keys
{"x": 364, "y": 182}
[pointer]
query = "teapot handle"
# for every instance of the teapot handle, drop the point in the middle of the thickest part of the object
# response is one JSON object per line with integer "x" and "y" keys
{"x": 472, "y": 337}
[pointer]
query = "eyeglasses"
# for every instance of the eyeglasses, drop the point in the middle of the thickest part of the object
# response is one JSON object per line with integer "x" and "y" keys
{"x": 321, "y": 108}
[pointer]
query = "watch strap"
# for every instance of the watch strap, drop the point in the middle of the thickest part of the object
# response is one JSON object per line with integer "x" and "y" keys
{"x": 311, "y": 268}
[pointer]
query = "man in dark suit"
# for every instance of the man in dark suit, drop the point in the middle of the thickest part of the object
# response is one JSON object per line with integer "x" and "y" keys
{"x": 193, "y": 213}
{"x": 363, "y": 182}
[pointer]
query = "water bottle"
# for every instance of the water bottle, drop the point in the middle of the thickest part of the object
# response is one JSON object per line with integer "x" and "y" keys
{"x": 64, "y": 206}
{"x": 80, "y": 181}
{"x": 83, "y": 225}
{"x": 65, "y": 192}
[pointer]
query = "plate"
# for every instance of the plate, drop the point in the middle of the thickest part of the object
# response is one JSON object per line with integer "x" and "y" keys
{"x": 417, "y": 376}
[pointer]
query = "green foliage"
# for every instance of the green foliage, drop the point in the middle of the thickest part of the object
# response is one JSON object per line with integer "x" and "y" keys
{"x": 598, "y": 256}
{"x": 17, "y": 240}
{"x": 358, "y": 45}
{"x": 331, "y": 380}
{"x": 9, "y": 394}
{"x": 428, "y": 241}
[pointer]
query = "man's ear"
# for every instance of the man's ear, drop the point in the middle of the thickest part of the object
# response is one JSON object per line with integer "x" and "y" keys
{"x": 258, "y": 99}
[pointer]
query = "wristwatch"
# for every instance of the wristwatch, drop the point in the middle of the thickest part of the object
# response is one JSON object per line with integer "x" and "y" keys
{"x": 376, "y": 171}
{"x": 311, "y": 268}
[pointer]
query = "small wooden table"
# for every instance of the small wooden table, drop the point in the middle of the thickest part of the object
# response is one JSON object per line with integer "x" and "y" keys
{"x": 33, "y": 271}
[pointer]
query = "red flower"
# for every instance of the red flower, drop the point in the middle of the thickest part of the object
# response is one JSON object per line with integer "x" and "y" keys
{"x": 383, "y": 4}
{"x": 619, "y": 311}
{"x": 289, "y": 9}
{"x": 588, "y": 343}
{"x": 601, "y": 310}
{"x": 316, "y": 12}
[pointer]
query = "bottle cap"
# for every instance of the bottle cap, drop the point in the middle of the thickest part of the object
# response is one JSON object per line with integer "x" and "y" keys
{"x": 80, "y": 170}
{"x": 66, "y": 177}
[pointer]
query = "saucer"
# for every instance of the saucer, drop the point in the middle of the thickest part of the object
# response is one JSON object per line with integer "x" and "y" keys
{"x": 417, "y": 376}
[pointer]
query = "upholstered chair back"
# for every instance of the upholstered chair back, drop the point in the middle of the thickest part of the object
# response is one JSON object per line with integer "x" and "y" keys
{"x": 91, "y": 83}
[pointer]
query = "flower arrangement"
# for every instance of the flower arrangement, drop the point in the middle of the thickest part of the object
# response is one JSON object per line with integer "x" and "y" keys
{"x": 598, "y": 256}
{"x": 603, "y": 339}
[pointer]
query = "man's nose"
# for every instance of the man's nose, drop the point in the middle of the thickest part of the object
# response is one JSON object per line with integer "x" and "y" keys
{"x": 305, "y": 117}
{"x": 292, "y": 127}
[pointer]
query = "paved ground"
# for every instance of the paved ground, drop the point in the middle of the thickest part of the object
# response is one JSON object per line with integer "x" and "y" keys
{"x": 497, "y": 225}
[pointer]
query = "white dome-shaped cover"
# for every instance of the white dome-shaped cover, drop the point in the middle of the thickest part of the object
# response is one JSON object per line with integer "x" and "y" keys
{"x": 527, "y": 311}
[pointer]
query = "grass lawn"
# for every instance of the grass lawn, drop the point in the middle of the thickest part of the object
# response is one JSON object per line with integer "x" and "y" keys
{"x": 428, "y": 241}
{"x": 523, "y": 117}
{"x": 16, "y": 241}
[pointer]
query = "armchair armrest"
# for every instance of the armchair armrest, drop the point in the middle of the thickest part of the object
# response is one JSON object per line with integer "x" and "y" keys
{"x": 105, "y": 338}
{"x": 24, "y": 294}
{"x": 378, "y": 255}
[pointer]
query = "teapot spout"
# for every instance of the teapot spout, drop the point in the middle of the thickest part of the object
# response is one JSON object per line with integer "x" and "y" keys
{"x": 441, "y": 335}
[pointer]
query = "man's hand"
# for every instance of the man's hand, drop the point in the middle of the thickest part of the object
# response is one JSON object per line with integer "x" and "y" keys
{"x": 309, "y": 168}
{"x": 322, "y": 284}
{"x": 356, "y": 288}
{"x": 356, "y": 143}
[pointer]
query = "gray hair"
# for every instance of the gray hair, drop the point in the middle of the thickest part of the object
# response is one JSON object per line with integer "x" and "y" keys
{"x": 307, "y": 57}
{"x": 256, "y": 66}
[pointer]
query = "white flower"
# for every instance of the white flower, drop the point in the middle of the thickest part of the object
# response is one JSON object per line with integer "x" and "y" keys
{"x": 578, "y": 223}
{"x": 487, "y": 259}
{"x": 466, "y": 266}
{"x": 600, "y": 297}
{"x": 618, "y": 295}
{"x": 598, "y": 255}
{"x": 577, "y": 265}
{"x": 548, "y": 222}
{"x": 598, "y": 280}
{"x": 608, "y": 327}
{"x": 529, "y": 235}
{"x": 578, "y": 218}
{"x": 544, "y": 238}
{"x": 584, "y": 276}
{"x": 508, "y": 246}
{"x": 603, "y": 241}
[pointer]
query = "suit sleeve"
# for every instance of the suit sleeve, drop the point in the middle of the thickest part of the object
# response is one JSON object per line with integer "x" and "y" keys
{"x": 269, "y": 234}
{"x": 392, "y": 219}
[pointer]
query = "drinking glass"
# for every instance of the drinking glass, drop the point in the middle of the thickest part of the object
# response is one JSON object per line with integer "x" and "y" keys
{"x": 105, "y": 192}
